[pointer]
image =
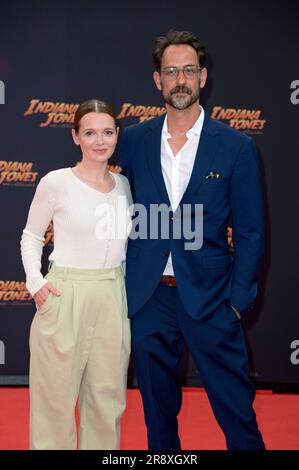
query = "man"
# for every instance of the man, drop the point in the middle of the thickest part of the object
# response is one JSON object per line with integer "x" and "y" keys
{"x": 178, "y": 292}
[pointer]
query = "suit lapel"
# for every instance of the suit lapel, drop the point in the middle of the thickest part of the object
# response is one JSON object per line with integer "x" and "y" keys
{"x": 204, "y": 158}
{"x": 153, "y": 148}
{"x": 208, "y": 144}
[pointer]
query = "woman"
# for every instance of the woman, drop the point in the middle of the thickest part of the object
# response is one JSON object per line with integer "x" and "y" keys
{"x": 80, "y": 337}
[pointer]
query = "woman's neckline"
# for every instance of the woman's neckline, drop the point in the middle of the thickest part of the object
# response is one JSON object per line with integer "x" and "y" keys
{"x": 85, "y": 184}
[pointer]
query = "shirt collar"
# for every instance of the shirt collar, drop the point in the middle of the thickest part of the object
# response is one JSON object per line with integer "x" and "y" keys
{"x": 195, "y": 130}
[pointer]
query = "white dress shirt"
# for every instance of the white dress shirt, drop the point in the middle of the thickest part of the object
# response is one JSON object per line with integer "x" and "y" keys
{"x": 177, "y": 169}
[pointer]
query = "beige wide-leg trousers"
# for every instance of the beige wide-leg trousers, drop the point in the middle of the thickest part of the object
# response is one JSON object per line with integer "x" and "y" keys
{"x": 80, "y": 347}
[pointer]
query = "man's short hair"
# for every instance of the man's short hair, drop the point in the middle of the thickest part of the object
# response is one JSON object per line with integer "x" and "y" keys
{"x": 177, "y": 38}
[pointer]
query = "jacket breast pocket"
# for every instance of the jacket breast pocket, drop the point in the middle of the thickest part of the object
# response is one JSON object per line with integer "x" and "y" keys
{"x": 213, "y": 192}
{"x": 213, "y": 183}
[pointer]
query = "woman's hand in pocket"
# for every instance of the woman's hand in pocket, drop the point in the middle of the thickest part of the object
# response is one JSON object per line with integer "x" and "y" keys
{"x": 42, "y": 294}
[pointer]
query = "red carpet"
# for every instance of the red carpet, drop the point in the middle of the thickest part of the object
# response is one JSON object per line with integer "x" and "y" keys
{"x": 278, "y": 417}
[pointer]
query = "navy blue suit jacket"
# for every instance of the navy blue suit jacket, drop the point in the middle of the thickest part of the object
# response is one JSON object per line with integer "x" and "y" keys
{"x": 208, "y": 276}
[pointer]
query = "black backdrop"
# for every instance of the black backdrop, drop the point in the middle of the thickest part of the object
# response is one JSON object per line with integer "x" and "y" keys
{"x": 55, "y": 54}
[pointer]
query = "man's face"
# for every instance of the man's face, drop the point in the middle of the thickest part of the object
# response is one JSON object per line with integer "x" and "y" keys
{"x": 180, "y": 92}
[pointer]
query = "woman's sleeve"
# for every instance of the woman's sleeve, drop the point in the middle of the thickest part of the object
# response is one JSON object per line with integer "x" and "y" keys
{"x": 32, "y": 241}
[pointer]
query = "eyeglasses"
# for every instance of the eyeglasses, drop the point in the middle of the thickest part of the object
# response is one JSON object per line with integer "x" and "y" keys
{"x": 172, "y": 73}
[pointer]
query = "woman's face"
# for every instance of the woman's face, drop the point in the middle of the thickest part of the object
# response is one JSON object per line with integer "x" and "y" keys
{"x": 97, "y": 137}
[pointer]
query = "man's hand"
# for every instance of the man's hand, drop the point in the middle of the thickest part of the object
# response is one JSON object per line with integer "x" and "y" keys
{"x": 42, "y": 294}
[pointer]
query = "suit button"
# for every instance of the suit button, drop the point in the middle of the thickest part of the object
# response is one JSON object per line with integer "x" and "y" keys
{"x": 165, "y": 253}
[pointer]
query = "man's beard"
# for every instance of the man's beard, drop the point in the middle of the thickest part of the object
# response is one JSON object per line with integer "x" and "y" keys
{"x": 183, "y": 102}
